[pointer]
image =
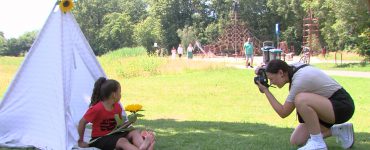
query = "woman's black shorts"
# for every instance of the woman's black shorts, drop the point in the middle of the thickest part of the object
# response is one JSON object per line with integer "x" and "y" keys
{"x": 108, "y": 142}
{"x": 343, "y": 107}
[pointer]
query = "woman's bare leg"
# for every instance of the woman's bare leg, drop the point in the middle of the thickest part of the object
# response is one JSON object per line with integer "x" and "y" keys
{"x": 300, "y": 134}
{"x": 311, "y": 107}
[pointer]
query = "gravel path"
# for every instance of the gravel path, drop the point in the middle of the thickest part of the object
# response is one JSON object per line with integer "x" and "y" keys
{"x": 237, "y": 63}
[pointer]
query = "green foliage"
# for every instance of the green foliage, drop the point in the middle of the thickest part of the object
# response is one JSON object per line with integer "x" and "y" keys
{"x": 136, "y": 9}
{"x": 89, "y": 14}
{"x": 133, "y": 62}
{"x": 364, "y": 40}
{"x": 116, "y": 33}
{"x": 3, "y": 44}
{"x": 19, "y": 46}
{"x": 211, "y": 32}
{"x": 259, "y": 18}
{"x": 107, "y": 24}
{"x": 289, "y": 15}
{"x": 139, "y": 66}
{"x": 147, "y": 32}
{"x": 112, "y": 24}
{"x": 125, "y": 52}
{"x": 187, "y": 36}
{"x": 172, "y": 15}
{"x": 342, "y": 22}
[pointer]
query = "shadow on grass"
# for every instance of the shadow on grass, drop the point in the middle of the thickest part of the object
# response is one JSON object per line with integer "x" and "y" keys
{"x": 203, "y": 135}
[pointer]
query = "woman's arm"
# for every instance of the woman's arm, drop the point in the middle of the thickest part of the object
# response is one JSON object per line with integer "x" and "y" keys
{"x": 282, "y": 110}
{"x": 81, "y": 131}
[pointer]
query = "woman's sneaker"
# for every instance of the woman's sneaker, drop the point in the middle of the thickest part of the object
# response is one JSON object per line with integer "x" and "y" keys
{"x": 313, "y": 145}
{"x": 344, "y": 133}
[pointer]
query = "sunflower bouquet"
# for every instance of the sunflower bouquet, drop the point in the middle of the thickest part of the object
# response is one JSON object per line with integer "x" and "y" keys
{"x": 134, "y": 109}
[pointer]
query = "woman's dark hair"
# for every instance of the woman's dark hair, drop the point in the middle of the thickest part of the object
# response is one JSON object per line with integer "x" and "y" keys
{"x": 275, "y": 65}
{"x": 103, "y": 88}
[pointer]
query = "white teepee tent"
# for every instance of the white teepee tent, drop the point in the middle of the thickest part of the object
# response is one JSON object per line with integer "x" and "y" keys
{"x": 52, "y": 88}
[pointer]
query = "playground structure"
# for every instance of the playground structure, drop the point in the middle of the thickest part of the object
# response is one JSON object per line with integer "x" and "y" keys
{"x": 235, "y": 34}
{"x": 310, "y": 37}
{"x": 231, "y": 42}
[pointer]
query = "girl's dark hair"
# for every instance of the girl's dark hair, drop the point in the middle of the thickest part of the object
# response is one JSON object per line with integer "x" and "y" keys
{"x": 275, "y": 65}
{"x": 103, "y": 88}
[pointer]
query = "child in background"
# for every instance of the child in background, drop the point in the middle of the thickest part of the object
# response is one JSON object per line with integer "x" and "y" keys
{"x": 173, "y": 52}
{"x": 104, "y": 107}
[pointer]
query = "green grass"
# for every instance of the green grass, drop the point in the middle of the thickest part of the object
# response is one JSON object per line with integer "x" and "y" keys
{"x": 223, "y": 109}
{"x": 364, "y": 67}
{"x": 8, "y": 67}
{"x": 126, "y": 52}
{"x": 346, "y": 55}
{"x": 203, "y": 105}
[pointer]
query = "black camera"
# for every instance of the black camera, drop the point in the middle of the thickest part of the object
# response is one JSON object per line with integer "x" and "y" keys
{"x": 262, "y": 77}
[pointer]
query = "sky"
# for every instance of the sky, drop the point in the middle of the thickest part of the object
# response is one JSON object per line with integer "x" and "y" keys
{"x": 20, "y": 16}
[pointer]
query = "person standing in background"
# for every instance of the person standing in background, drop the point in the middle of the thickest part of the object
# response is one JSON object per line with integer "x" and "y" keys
{"x": 180, "y": 50}
{"x": 190, "y": 51}
{"x": 173, "y": 52}
{"x": 248, "y": 46}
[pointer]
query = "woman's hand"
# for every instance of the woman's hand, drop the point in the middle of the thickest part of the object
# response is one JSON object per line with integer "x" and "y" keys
{"x": 82, "y": 144}
{"x": 261, "y": 87}
{"x": 257, "y": 69}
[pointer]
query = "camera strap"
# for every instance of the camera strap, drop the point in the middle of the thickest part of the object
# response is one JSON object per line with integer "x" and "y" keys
{"x": 295, "y": 69}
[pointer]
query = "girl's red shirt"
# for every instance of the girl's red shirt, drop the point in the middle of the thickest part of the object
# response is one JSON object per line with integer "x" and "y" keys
{"x": 103, "y": 120}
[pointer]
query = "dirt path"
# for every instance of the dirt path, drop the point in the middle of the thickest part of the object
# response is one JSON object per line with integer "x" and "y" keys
{"x": 239, "y": 63}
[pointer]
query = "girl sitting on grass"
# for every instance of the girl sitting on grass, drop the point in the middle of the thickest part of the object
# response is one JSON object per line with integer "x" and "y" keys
{"x": 103, "y": 111}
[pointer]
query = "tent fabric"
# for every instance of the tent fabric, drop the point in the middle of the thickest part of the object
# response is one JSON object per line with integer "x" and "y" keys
{"x": 52, "y": 88}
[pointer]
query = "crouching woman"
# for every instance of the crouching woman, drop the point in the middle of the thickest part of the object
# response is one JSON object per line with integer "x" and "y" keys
{"x": 323, "y": 105}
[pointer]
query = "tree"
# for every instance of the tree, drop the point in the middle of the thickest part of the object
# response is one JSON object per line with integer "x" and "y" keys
{"x": 18, "y": 47}
{"x": 289, "y": 15}
{"x": 98, "y": 23}
{"x": 136, "y": 9}
{"x": 211, "y": 33}
{"x": 343, "y": 22}
{"x": 26, "y": 40}
{"x": 116, "y": 33}
{"x": 147, "y": 32}
{"x": 187, "y": 35}
{"x": 172, "y": 15}
{"x": 3, "y": 45}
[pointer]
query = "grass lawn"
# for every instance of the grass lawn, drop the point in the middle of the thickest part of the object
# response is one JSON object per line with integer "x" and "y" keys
{"x": 344, "y": 55}
{"x": 365, "y": 67}
{"x": 197, "y": 105}
{"x": 222, "y": 109}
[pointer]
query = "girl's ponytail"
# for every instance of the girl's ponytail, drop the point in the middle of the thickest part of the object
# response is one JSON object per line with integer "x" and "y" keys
{"x": 96, "y": 95}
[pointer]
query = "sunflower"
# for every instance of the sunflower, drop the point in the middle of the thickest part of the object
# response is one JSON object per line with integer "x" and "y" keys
{"x": 66, "y": 5}
{"x": 133, "y": 108}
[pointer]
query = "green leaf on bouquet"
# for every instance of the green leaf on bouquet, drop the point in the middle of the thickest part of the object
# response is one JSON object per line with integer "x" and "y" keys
{"x": 132, "y": 117}
{"x": 118, "y": 120}
{"x": 139, "y": 115}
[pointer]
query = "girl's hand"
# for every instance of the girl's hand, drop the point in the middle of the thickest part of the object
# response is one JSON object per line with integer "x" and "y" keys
{"x": 261, "y": 87}
{"x": 82, "y": 144}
